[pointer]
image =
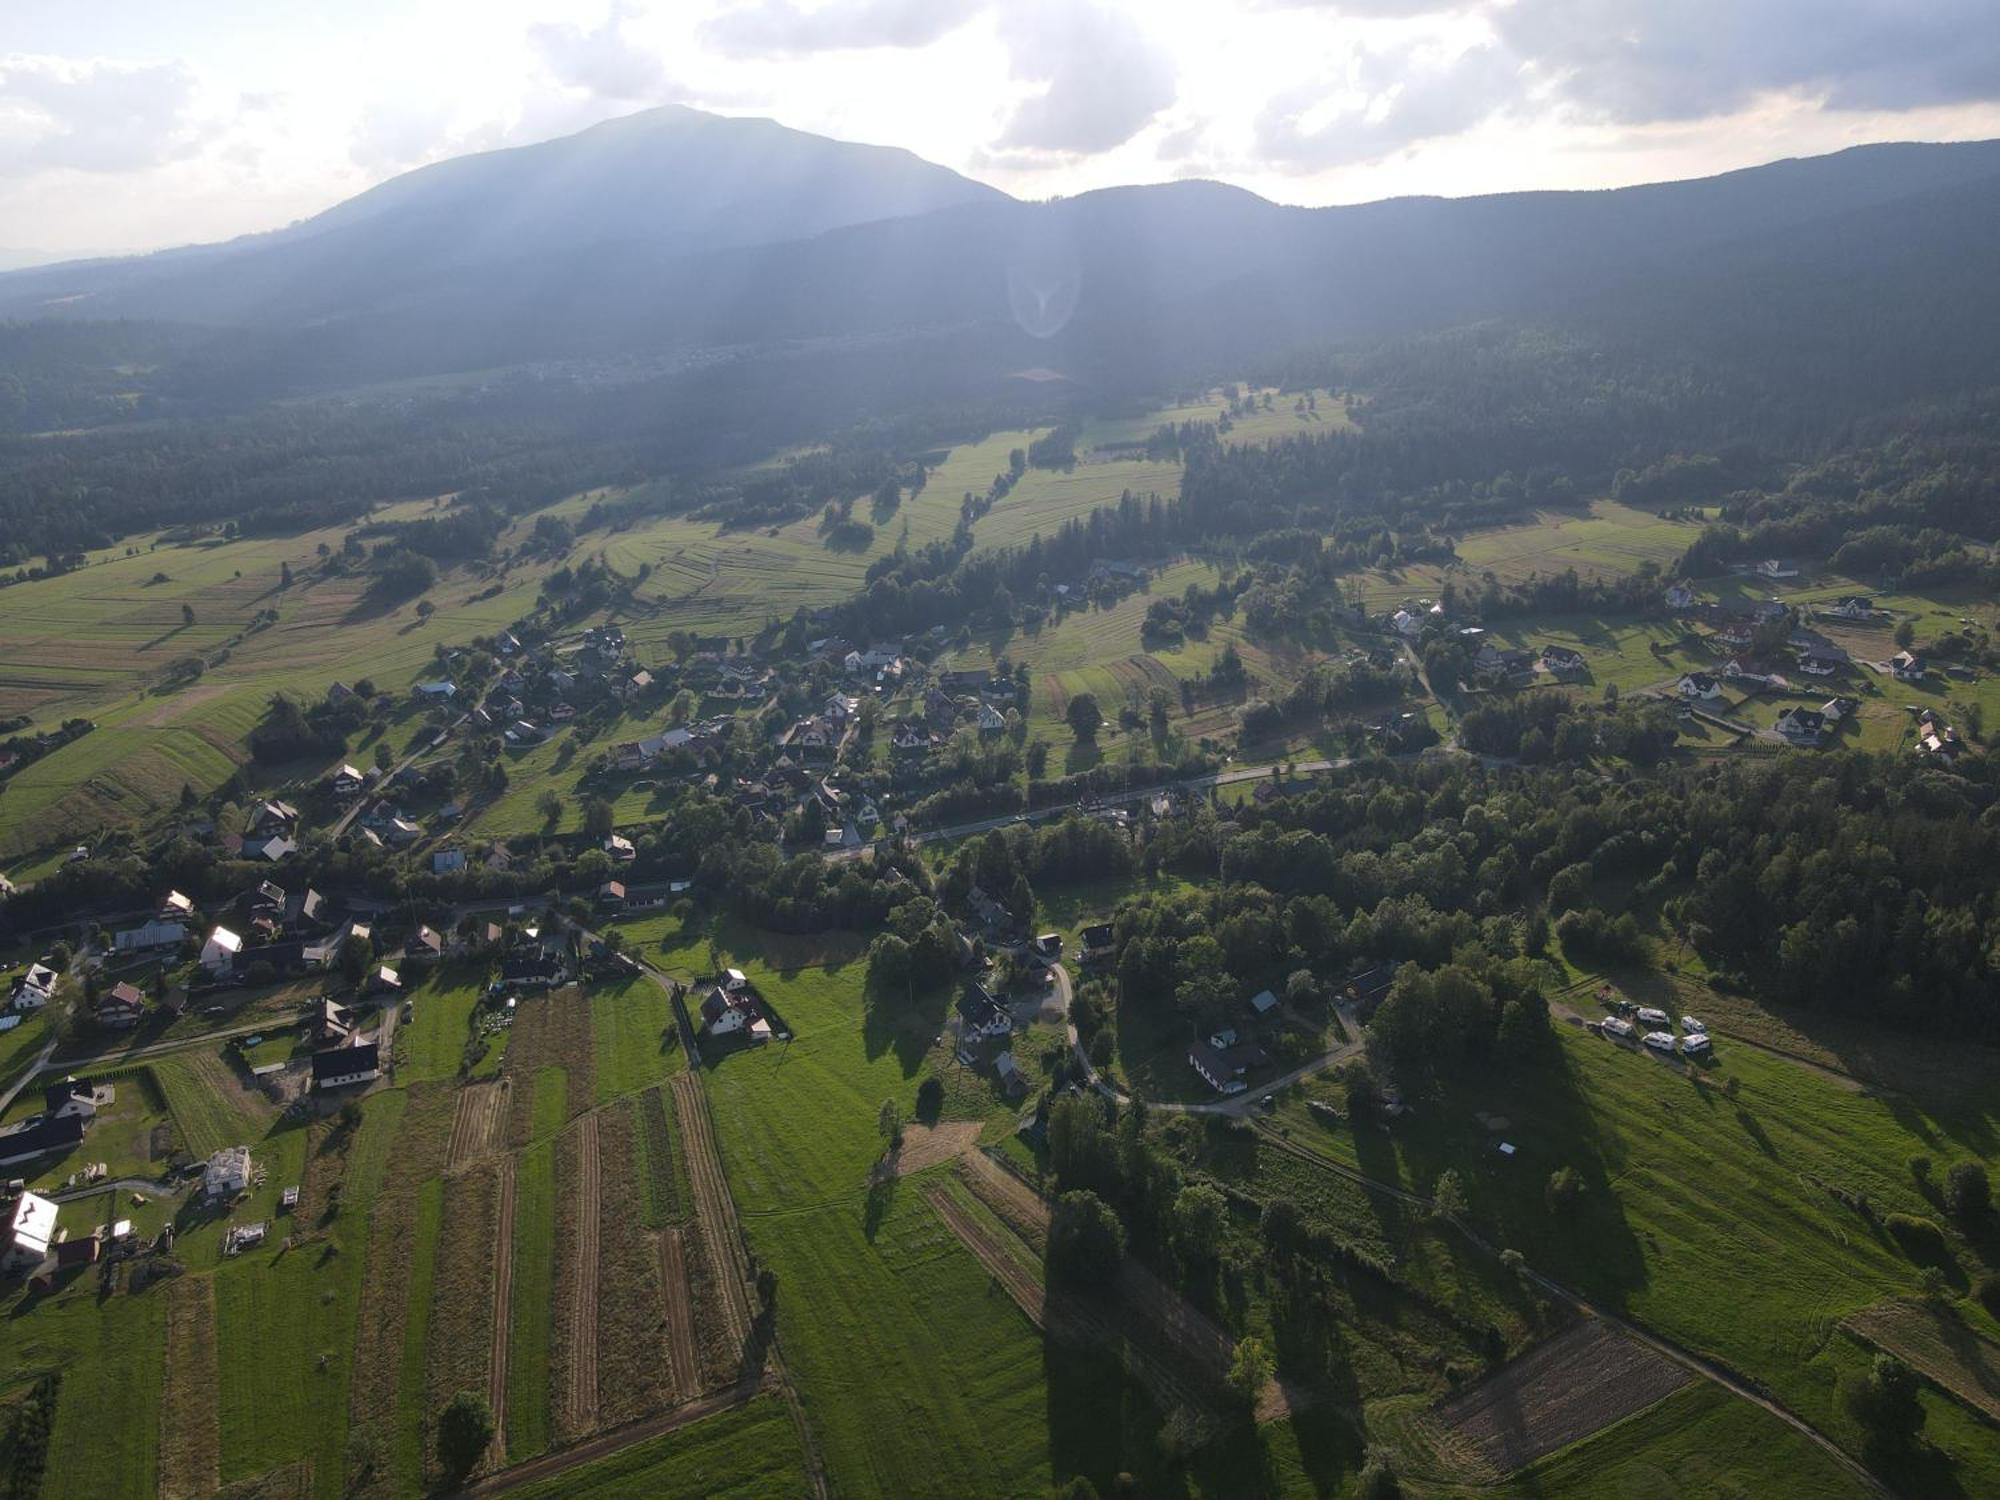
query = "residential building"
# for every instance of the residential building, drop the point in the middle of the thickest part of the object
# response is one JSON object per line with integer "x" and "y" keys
{"x": 1699, "y": 685}
{"x": 1906, "y": 666}
{"x": 39, "y": 1135}
{"x": 1562, "y": 660}
{"x": 31, "y": 1229}
{"x": 981, "y": 1016}
{"x": 145, "y": 938}
{"x": 344, "y": 1067}
{"x": 121, "y": 1007}
{"x": 1802, "y": 726}
{"x": 218, "y": 954}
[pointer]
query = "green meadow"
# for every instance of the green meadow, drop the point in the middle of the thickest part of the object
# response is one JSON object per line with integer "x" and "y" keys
{"x": 1709, "y": 1213}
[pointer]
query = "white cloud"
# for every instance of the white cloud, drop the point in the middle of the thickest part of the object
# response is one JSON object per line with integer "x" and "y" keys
{"x": 602, "y": 61}
{"x": 96, "y": 115}
{"x": 782, "y": 28}
{"x": 1395, "y": 100}
{"x": 1101, "y": 78}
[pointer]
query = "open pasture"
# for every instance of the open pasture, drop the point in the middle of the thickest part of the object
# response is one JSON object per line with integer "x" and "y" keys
{"x": 1708, "y": 1210}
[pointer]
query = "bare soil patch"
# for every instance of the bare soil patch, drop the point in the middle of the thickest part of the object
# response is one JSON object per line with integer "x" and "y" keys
{"x": 190, "y": 1428}
{"x": 926, "y": 1146}
{"x": 553, "y": 1031}
{"x": 1562, "y": 1390}
{"x": 176, "y": 707}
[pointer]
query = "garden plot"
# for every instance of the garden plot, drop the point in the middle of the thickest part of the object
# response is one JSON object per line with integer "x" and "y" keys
{"x": 1557, "y": 1393}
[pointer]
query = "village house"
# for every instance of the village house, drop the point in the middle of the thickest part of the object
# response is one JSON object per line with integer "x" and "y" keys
{"x": 447, "y": 861}
{"x": 1837, "y": 709}
{"x": 1698, "y": 685}
{"x": 343, "y": 1067}
{"x": 981, "y": 1016}
{"x": 218, "y": 954}
{"x": 424, "y": 943}
{"x": 147, "y": 937}
{"x": 1774, "y": 567}
{"x": 437, "y": 692}
{"x": 1818, "y": 661}
{"x": 31, "y": 1228}
{"x": 1013, "y": 1082}
{"x": 39, "y": 1135}
{"x": 1906, "y": 666}
{"x": 1802, "y": 726}
{"x": 732, "y": 1007}
{"x": 1680, "y": 596}
{"x": 120, "y": 1007}
{"x": 1562, "y": 660}
{"x": 1853, "y": 607}
{"x": 35, "y": 988}
{"x": 1223, "y": 1070}
{"x": 1096, "y": 942}
{"x": 620, "y": 849}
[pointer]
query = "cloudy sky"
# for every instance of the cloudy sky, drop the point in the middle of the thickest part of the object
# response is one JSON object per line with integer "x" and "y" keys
{"x": 130, "y": 124}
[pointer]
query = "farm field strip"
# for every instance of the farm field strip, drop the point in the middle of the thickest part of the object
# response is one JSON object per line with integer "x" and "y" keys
{"x": 1558, "y": 1393}
{"x": 503, "y": 1305}
{"x": 533, "y": 1296}
{"x": 716, "y": 1207}
{"x": 190, "y": 1426}
{"x": 475, "y": 1125}
{"x": 1952, "y": 1356}
{"x": 1027, "y": 1291}
{"x": 581, "y": 1396}
{"x": 682, "y": 1360}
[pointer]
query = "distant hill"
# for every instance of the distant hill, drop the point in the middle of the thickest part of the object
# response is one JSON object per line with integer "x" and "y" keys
{"x": 665, "y": 183}
{"x": 674, "y": 232}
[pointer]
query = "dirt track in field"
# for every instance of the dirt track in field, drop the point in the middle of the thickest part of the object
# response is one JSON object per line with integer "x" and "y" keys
{"x": 714, "y": 1207}
{"x": 1557, "y": 1393}
{"x": 476, "y": 1122}
{"x": 681, "y": 1357}
{"x": 582, "y": 1394}
{"x": 503, "y": 1304}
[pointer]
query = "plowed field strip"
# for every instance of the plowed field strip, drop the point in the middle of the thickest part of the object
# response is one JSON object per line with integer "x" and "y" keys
{"x": 717, "y": 1211}
{"x": 680, "y": 1316}
{"x": 1559, "y": 1392}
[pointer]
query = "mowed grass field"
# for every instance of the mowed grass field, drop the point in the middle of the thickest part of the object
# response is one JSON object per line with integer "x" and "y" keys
{"x": 1102, "y": 652}
{"x": 918, "y": 1376}
{"x": 94, "y": 643}
{"x": 751, "y": 1451}
{"x": 1709, "y": 1212}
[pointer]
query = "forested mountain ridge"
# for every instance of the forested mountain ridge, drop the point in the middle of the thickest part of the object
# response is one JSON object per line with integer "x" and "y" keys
{"x": 674, "y": 231}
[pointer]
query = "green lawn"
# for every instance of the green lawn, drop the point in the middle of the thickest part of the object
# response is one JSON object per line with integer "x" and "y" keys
{"x": 410, "y": 1393}
{"x": 633, "y": 1034}
{"x": 433, "y": 1040}
{"x": 917, "y": 1374}
{"x": 550, "y": 1104}
{"x": 533, "y": 1300}
{"x": 207, "y": 1105}
{"x": 751, "y": 1451}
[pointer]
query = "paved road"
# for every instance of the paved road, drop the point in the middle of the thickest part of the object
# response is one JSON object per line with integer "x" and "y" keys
{"x": 41, "y": 1061}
